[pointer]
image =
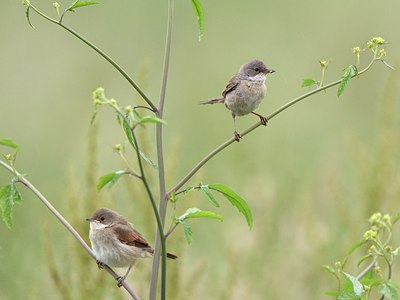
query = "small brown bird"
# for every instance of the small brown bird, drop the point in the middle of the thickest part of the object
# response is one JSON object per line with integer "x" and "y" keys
{"x": 244, "y": 92}
{"x": 115, "y": 242}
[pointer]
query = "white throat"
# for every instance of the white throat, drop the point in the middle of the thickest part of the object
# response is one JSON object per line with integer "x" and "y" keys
{"x": 259, "y": 77}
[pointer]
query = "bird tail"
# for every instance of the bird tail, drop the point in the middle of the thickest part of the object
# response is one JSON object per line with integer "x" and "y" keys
{"x": 171, "y": 256}
{"x": 212, "y": 101}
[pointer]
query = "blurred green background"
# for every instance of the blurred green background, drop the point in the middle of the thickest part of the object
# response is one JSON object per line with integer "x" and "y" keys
{"x": 312, "y": 177}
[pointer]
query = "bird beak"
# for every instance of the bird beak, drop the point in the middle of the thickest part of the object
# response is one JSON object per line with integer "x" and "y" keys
{"x": 90, "y": 219}
{"x": 268, "y": 71}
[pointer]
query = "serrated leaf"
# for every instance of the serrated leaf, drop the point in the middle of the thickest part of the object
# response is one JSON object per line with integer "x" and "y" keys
{"x": 149, "y": 119}
{"x": 109, "y": 179}
{"x": 362, "y": 259}
{"x": 9, "y": 195}
{"x": 389, "y": 290}
{"x": 209, "y": 195}
{"x": 9, "y": 143}
{"x": 187, "y": 232}
{"x": 78, "y": 4}
{"x": 235, "y": 200}
{"x": 349, "y": 72}
{"x": 198, "y": 11}
{"x": 308, "y": 82}
{"x": 358, "y": 288}
{"x": 128, "y": 133}
{"x": 198, "y": 213}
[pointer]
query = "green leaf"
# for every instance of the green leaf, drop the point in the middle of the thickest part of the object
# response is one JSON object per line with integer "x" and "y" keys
{"x": 109, "y": 179}
{"x": 362, "y": 259}
{"x": 149, "y": 119}
{"x": 187, "y": 232}
{"x": 9, "y": 195}
{"x": 209, "y": 195}
{"x": 389, "y": 290}
{"x": 355, "y": 247}
{"x": 78, "y": 4}
{"x": 128, "y": 133}
{"x": 235, "y": 200}
{"x": 308, "y": 82}
{"x": 198, "y": 10}
{"x": 198, "y": 213}
{"x": 396, "y": 251}
{"x": 9, "y": 143}
{"x": 349, "y": 72}
{"x": 396, "y": 218}
{"x": 358, "y": 288}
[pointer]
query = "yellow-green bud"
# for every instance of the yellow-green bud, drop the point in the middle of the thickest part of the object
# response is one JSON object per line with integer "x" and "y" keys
{"x": 56, "y": 5}
{"x": 98, "y": 94}
{"x": 378, "y": 40}
{"x": 356, "y": 50}
{"x": 8, "y": 157}
{"x": 118, "y": 147}
{"x": 388, "y": 248}
{"x": 370, "y": 235}
{"x": 113, "y": 101}
{"x": 338, "y": 265}
{"x": 375, "y": 218}
{"x": 382, "y": 53}
{"x": 372, "y": 250}
{"x": 128, "y": 109}
{"x": 26, "y": 2}
{"x": 323, "y": 63}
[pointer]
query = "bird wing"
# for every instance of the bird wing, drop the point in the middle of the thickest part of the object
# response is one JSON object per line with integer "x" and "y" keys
{"x": 232, "y": 84}
{"x": 129, "y": 236}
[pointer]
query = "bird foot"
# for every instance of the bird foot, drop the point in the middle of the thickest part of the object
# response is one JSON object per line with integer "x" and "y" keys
{"x": 120, "y": 279}
{"x": 263, "y": 120}
{"x": 99, "y": 264}
{"x": 237, "y": 136}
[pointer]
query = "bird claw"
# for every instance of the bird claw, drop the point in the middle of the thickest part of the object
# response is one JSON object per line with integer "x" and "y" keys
{"x": 99, "y": 264}
{"x": 237, "y": 136}
{"x": 263, "y": 120}
{"x": 120, "y": 279}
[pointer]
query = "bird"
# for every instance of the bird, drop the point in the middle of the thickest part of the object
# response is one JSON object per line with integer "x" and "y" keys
{"x": 116, "y": 243}
{"x": 244, "y": 92}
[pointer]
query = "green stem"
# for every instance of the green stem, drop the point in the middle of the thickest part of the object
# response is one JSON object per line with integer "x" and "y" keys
{"x": 63, "y": 221}
{"x": 160, "y": 248}
{"x": 104, "y": 55}
{"x": 250, "y": 129}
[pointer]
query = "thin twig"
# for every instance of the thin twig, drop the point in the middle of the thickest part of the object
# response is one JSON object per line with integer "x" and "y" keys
{"x": 66, "y": 224}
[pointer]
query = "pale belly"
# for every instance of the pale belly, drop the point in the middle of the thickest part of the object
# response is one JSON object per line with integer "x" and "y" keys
{"x": 246, "y": 98}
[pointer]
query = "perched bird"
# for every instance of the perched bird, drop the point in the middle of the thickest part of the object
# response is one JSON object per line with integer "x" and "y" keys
{"x": 115, "y": 242}
{"x": 244, "y": 92}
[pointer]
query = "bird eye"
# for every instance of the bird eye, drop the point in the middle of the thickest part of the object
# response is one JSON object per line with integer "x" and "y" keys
{"x": 257, "y": 69}
{"x": 102, "y": 219}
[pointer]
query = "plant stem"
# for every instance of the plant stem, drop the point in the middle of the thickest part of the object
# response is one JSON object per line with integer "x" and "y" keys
{"x": 250, "y": 129}
{"x": 160, "y": 248}
{"x": 66, "y": 224}
{"x": 104, "y": 55}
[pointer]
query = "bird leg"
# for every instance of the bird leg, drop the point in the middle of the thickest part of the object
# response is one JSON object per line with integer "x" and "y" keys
{"x": 263, "y": 119}
{"x": 236, "y": 134}
{"x": 122, "y": 278}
